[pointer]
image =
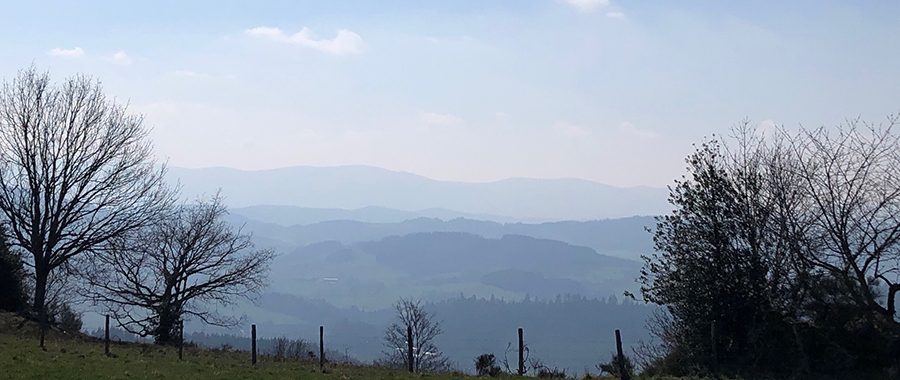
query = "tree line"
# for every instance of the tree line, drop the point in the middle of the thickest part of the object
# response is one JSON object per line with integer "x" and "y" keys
{"x": 780, "y": 257}
{"x": 87, "y": 216}
{"x": 571, "y": 334}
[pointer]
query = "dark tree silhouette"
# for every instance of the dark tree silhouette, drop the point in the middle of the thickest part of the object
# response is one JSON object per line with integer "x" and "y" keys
{"x": 427, "y": 357}
{"x": 711, "y": 266}
{"x": 13, "y": 277}
{"x": 782, "y": 253}
{"x": 76, "y": 170}
{"x": 181, "y": 266}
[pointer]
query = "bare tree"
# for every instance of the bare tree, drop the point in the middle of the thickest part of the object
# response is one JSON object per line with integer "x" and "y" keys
{"x": 285, "y": 349}
{"x": 851, "y": 183}
{"x": 76, "y": 170}
{"x": 184, "y": 265}
{"x": 427, "y": 357}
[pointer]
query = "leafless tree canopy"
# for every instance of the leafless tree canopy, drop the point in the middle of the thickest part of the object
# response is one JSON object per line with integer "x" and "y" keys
{"x": 184, "y": 265}
{"x": 850, "y": 182}
{"x": 76, "y": 171}
{"x": 426, "y": 355}
{"x": 284, "y": 349}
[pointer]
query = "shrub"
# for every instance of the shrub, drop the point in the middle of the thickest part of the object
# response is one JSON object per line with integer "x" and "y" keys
{"x": 66, "y": 319}
{"x": 613, "y": 366}
{"x": 551, "y": 373}
{"x": 486, "y": 365}
{"x": 284, "y": 349}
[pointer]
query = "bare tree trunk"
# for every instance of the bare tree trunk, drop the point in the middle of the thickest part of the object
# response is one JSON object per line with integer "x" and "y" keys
{"x": 181, "y": 340}
{"x": 891, "y": 298}
{"x": 166, "y": 328}
{"x": 40, "y": 297}
{"x": 410, "y": 358}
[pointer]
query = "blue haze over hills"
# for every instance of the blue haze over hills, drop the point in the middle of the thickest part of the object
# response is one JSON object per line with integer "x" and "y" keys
{"x": 352, "y": 240}
{"x": 353, "y": 187}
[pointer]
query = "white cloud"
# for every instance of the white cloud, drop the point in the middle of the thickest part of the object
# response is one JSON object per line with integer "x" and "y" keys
{"x": 615, "y": 15}
{"x": 571, "y": 130}
{"x": 587, "y": 5}
{"x": 630, "y": 129}
{"x": 432, "y": 118}
{"x": 346, "y": 42}
{"x": 75, "y": 52}
{"x": 121, "y": 58}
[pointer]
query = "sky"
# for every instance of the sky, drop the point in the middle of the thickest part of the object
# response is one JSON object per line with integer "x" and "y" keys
{"x": 612, "y": 91}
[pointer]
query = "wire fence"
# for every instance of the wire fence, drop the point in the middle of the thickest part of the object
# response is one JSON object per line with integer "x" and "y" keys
{"x": 284, "y": 349}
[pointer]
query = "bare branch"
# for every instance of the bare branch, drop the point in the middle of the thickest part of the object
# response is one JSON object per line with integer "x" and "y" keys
{"x": 181, "y": 266}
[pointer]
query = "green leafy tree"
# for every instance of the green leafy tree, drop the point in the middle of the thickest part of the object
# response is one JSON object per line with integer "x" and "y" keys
{"x": 718, "y": 266}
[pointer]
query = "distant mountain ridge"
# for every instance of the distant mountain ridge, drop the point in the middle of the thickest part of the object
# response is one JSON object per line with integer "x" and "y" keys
{"x": 293, "y": 215}
{"x": 621, "y": 237}
{"x": 354, "y": 187}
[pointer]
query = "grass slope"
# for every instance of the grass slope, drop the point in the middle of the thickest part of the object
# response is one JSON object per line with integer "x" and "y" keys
{"x": 81, "y": 357}
{"x": 20, "y": 358}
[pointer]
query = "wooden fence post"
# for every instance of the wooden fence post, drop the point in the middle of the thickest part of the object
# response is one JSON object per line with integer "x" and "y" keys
{"x": 106, "y": 337}
{"x": 322, "y": 348}
{"x": 253, "y": 344}
{"x": 623, "y": 371}
{"x": 521, "y": 352}
{"x": 409, "y": 350}
{"x": 181, "y": 340}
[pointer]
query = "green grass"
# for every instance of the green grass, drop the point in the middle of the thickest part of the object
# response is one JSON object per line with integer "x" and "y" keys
{"x": 77, "y": 356}
{"x": 21, "y": 358}
{"x": 82, "y": 357}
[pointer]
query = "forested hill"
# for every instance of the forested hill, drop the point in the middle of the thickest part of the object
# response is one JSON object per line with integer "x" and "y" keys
{"x": 438, "y": 265}
{"x": 622, "y": 237}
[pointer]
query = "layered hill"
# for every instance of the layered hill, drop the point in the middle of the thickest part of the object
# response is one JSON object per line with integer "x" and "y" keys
{"x": 353, "y": 187}
{"x": 440, "y": 265}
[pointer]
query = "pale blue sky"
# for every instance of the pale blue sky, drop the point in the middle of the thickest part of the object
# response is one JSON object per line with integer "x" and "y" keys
{"x": 466, "y": 90}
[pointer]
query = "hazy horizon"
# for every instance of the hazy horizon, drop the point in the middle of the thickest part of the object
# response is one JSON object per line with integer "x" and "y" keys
{"x": 355, "y": 187}
{"x": 499, "y": 179}
{"x": 604, "y": 90}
